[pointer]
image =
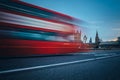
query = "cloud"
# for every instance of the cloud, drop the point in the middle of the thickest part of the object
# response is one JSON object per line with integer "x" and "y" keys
{"x": 114, "y": 39}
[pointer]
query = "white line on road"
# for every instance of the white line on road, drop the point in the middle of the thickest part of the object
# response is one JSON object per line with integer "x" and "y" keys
{"x": 53, "y": 65}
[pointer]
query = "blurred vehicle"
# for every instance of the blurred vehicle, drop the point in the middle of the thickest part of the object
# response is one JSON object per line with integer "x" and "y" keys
{"x": 26, "y": 29}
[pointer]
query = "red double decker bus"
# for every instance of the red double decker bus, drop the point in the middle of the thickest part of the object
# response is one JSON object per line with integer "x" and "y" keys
{"x": 26, "y": 29}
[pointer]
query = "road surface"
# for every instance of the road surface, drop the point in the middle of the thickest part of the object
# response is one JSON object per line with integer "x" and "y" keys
{"x": 96, "y": 65}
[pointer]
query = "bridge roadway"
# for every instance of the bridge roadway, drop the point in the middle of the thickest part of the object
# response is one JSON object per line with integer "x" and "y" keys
{"x": 96, "y": 65}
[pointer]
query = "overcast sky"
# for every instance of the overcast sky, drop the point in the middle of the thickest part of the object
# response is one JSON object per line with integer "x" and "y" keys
{"x": 100, "y": 15}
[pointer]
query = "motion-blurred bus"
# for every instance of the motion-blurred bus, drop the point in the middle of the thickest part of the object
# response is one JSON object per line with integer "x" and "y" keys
{"x": 26, "y": 29}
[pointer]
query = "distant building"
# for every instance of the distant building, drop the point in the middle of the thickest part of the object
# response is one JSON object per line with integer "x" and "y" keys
{"x": 97, "y": 40}
{"x": 118, "y": 39}
{"x": 90, "y": 41}
{"x": 110, "y": 44}
{"x": 77, "y": 36}
{"x": 96, "y": 43}
{"x": 105, "y": 45}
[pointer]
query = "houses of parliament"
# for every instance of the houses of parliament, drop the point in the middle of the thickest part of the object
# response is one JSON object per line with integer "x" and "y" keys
{"x": 99, "y": 44}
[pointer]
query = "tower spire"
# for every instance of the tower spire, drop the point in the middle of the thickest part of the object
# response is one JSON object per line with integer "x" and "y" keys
{"x": 97, "y": 40}
{"x": 90, "y": 41}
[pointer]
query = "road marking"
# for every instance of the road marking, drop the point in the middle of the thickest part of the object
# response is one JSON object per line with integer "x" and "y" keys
{"x": 53, "y": 65}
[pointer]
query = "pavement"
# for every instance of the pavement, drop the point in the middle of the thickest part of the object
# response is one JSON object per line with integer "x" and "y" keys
{"x": 94, "y": 65}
